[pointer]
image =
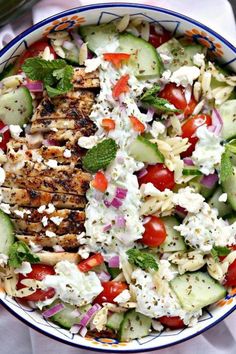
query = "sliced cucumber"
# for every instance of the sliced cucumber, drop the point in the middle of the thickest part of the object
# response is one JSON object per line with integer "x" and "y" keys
{"x": 197, "y": 290}
{"x": 228, "y": 113}
{"x": 145, "y": 60}
{"x": 174, "y": 241}
{"x": 191, "y": 171}
{"x": 6, "y": 233}
{"x": 65, "y": 318}
{"x": 223, "y": 208}
{"x": 97, "y": 36}
{"x": 114, "y": 272}
{"x": 16, "y": 106}
{"x": 229, "y": 187}
{"x": 231, "y": 219}
{"x": 199, "y": 188}
{"x": 114, "y": 321}
{"x": 8, "y": 71}
{"x": 134, "y": 325}
{"x": 143, "y": 150}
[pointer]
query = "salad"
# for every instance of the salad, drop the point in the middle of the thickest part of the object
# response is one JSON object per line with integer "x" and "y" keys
{"x": 118, "y": 179}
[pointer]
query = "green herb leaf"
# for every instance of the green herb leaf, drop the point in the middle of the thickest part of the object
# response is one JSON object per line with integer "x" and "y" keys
{"x": 231, "y": 146}
{"x": 226, "y": 167}
{"x": 153, "y": 91}
{"x": 142, "y": 259}
{"x": 55, "y": 74}
{"x": 20, "y": 252}
{"x": 219, "y": 251}
{"x": 100, "y": 156}
{"x": 160, "y": 104}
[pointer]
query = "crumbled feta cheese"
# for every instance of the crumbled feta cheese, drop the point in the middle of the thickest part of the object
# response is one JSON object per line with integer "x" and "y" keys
{"x": 67, "y": 153}
{"x": 204, "y": 229}
{"x": 50, "y": 209}
{"x": 3, "y": 260}
{"x": 223, "y": 197}
{"x": 188, "y": 199}
{"x": 157, "y": 129}
{"x": 56, "y": 220}
{"x": 87, "y": 142}
{"x": 208, "y": 151}
{"x": 44, "y": 221}
{"x": 2, "y": 176}
{"x": 99, "y": 321}
{"x": 123, "y": 297}
{"x": 6, "y": 208}
{"x": 185, "y": 75}
{"x": 41, "y": 209}
{"x": 72, "y": 285}
{"x": 199, "y": 59}
{"x": 58, "y": 248}
{"x": 165, "y": 58}
{"x": 166, "y": 75}
{"x": 24, "y": 269}
{"x": 51, "y": 163}
{"x": 34, "y": 247}
{"x": 170, "y": 106}
{"x": 50, "y": 233}
{"x": 21, "y": 213}
{"x": 84, "y": 251}
{"x": 92, "y": 64}
{"x": 15, "y": 131}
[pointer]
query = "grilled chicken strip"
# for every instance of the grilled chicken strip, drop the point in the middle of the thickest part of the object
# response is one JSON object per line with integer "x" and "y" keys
{"x": 68, "y": 241}
{"x": 81, "y": 79}
{"x": 84, "y": 125}
{"x": 52, "y": 258}
{"x": 32, "y": 198}
{"x": 33, "y": 215}
{"x": 29, "y": 228}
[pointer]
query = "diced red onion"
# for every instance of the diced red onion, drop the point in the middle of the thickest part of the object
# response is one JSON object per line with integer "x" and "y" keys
{"x": 53, "y": 310}
{"x": 142, "y": 172}
{"x": 150, "y": 114}
{"x": 90, "y": 55}
{"x": 107, "y": 228}
{"x": 211, "y": 128}
{"x": 120, "y": 221}
{"x": 107, "y": 203}
{"x": 180, "y": 211}
{"x": 34, "y": 86}
{"x": 188, "y": 161}
{"x": 68, "y": 45}
{"x": 75, "y": 313}
{"x": 78, "y": 40}
{"x": 4, "y": 129}
{"x": 114, "y": 262}
{"x": 121, "y": 192}
{"x": 146, "y": 220}
{"x": 89, "y": 314}
{"x": 75, "y": 328}
{"x": 58, "y": 249}
{"x": 210, "y": 180}
{"x": 188, "y": 93}
{"x": 83, "y": 331}
{"x": 97, "y": 195}
{"x": 116, "y": 203}
{"x": 104, "y": 276}
{"x": 50, "y": 142}
{"x": 217, "y": 121}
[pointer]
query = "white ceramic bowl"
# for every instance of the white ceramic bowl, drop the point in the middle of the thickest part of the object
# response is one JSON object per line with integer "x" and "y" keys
{"x": 177, "y": 24}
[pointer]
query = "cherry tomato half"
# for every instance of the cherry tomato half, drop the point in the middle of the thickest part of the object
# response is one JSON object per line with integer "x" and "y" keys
{"x": 91, "y": 262}
{"x": 157, "y": 39}
{"x": 230, "y": 279}
{"x": 39, "y": 272}
{"x": 111, "y": 289}
{"x": 155, "y": 232}
{"x": 189, "y": 130}
{"x": 160, "y": 176}
{"x": 174, "y": 322}
{"x": 4, "y": 136}
{"x": 175, "y": 95}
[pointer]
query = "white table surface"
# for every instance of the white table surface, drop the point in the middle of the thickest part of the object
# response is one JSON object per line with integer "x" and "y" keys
{"x": 17, "y": 338}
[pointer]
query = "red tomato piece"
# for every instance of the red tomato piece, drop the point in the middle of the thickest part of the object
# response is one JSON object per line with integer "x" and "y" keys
{"x": 39, "y": 272}
{"x": 137, "y": 125}
{"x": 116, "y": 59}
{"x": 108, "y": 124}
{"x": 230, "y": 279}
{"x": 174, "y": 322}
{"x": 111, "y": 289}
{"x": 160, "y": 176}
{"x": 91, "y": 262}
{"x": 121, "y": 86}
{"x": 100, "y": 182}
{"x": 175, "y": 95}
{"x": 157, "y": 39}
{"x": 4, "y": 135}
{"x": 189, "y": 130}
{"x": 155, "y": 232}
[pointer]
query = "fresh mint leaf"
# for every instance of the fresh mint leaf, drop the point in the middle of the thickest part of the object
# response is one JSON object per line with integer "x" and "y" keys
{"x": 219, "y": 251}
{"x": 20, "y": 252}
{"x": 231, "y": 146}
{"x": 142, "y": 259}
{"x": 100, "y": 156}
{"x": 55, "y": 74}
{"x": 226, "y": 167}
{"x": 151, "y": 92}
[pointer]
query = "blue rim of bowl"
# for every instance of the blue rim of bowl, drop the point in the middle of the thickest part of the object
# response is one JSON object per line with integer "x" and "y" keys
{"x": 71, "y": 12}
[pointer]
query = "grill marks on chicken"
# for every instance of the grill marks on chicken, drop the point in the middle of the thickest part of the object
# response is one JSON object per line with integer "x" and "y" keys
{"x": 43, "y": 170}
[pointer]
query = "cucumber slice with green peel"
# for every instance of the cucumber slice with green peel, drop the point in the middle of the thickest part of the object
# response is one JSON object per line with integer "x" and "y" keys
{"x": 16, "y": 106}
{"x": 114, "y": 321}
{"x": 223, "y": 208}
{"x": 174, "y": 242}
{"x": 114, "y": 272}
{"x": 143, "y": 150}
{"x": 145, "y": 60}
{"x": 228, "y": 114}
{"x": 97, "y": 36}
{"x": 6, "y": 233}
{"x": 196, "y": 290}
{"x": 8, "y": 71}
{"x": 229, "y": 187}
{"x": 200, "y": 188}
{"x": 231, "y": 219}
{"x": 66, "y": 318}
{"x": 191, "y": 171}
{"x": 134, "y": 325}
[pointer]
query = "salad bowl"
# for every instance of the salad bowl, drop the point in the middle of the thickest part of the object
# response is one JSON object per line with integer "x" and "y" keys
{"x": 177, "y": 24}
